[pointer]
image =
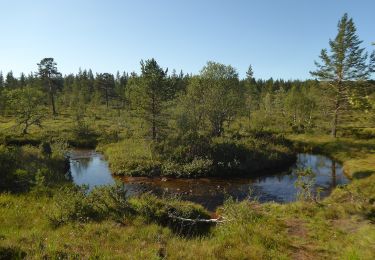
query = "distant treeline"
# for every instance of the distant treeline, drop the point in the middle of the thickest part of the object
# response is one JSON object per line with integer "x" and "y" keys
{"x": 205, "y": 101}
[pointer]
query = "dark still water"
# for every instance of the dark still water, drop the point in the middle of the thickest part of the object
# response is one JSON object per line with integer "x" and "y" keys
{"x": 89, "y": 167}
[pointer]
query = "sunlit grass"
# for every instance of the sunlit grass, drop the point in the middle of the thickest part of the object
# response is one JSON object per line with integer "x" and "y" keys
{"x": 339, "y": 227}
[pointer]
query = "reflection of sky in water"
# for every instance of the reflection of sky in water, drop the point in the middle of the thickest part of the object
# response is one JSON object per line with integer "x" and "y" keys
{"x": 88, "y": 167}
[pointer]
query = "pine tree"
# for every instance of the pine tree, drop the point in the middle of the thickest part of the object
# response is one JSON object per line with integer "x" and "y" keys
{"x": 151, "y": 94}
{"x": 120, "y": 86}
{"x": 346, "y": 62}
{"x": 50, "y": 77}
{"x": 105, "y": 83}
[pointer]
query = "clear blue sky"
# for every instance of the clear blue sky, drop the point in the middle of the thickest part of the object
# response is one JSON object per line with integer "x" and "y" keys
{"x": 280, "y": 38}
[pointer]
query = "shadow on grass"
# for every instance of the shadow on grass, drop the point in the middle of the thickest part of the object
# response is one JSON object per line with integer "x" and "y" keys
{"x": 12, "y": 253}
{"x": 188, "y": 229}
{"x": 347, "y": 148}
{"x": 363, "y": 174}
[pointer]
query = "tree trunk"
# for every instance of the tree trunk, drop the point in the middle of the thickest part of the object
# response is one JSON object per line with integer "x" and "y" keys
{"x": 217, "y": 128}
{"x": 106, "y": 97}
{"x": 53, "y": 105}
{"x": 24, "y": 131}
{"x": 153, "y": 119}
{"x": 52, "y": 99}
{"x": 335, "y": 117}
{"x": 249, "y": 117}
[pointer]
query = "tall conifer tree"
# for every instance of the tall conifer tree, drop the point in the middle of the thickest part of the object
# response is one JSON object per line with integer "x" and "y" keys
{"x": 346, "y": 63}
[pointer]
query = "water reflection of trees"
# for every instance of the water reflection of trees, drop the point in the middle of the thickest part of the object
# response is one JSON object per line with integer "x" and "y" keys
{"x": 333, "y": 173}
{"x": 321, "y": 166}
{"x": 80, "y": 167}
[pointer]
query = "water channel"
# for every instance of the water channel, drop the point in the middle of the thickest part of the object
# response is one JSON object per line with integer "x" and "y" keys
{"x": 90, "y": 168}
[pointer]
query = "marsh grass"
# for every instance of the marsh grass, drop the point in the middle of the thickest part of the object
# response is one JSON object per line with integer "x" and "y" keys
{"x": 97, "y": 226}
{"x": 338, "y": 227}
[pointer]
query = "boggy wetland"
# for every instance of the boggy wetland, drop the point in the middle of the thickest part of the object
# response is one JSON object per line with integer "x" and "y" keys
{"x": 156, "y": 163}
{"x": 88, "y": 167}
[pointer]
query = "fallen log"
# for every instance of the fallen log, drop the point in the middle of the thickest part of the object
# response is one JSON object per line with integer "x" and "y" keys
{"x": 199, "y": 220}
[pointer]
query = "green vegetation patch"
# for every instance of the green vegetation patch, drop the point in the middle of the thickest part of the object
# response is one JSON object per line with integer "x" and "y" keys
{"x": 28, "y": 167}
{"x": 197, "y": 156}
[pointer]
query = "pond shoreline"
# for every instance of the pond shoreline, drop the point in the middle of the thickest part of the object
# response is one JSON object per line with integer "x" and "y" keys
{"x": 210, "y": 192}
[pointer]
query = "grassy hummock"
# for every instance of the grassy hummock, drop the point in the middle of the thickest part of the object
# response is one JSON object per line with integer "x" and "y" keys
{"x": 221, "y": 156}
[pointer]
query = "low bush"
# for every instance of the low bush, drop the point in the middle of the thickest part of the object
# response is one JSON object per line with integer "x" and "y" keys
{"x": 196, "y": 168}
{"x": 12, "y": 253}
{"x": 359, "y": 133}
{"x": 83, "y": 135}
{"x": 131, "y": 157}
{"x": 162, "y": 210}
{"x": 192, "y": 155}
{"x": 171, "y": 212}
{"x": 76, "y": 204}
{"x": 23, "y": 168}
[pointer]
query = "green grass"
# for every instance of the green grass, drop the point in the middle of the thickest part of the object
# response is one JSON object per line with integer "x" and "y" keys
{"x": 130, "y": 156}
{"x": 339, "y": 227}
{"x": 331, "y": 229}
{"x": 102, "y": 122}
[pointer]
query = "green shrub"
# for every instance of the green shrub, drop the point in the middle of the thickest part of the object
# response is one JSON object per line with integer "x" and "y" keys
{"x": 83, "y": 135}
{"x": 360, "y": 133}
{"x": 12, "y": 253}
{"x": 170, "y": 211}
{"x": 71, "y": 204}
{"x": 131, "y": 157}
{"x": 20, "y": 168}
{"x": 45, "y": 149}
{"x": 193, "y": 155}
{"x": 197, "y": 167}
{"x": 183, "y": 148}
{"x": 161, "y": 209}
{"x": 76, "y": 204}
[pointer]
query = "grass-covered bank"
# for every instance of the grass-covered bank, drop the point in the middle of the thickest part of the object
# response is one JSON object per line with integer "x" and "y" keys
{"x": 199, "y": 156}
{"x": 66, "y": 223}
{"x": 357, "y": 155}
{"x": 29, "y": 168}
{"x": 337, "y": 228}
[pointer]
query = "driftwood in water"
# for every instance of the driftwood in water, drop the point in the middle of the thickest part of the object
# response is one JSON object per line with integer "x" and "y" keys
{"x": 195, "y": 221}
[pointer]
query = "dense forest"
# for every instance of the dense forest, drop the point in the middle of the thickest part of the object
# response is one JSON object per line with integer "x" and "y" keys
{"x": 163, "y": 123}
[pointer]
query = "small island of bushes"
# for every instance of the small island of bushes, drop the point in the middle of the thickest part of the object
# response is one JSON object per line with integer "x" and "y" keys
{"x": 193, "y": 155}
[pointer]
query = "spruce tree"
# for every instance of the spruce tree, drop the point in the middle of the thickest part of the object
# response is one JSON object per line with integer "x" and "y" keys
{"x": 346, "y": 63}
{"x": 10, "y": 80}
{"x": 1, "y": 80}
{"x": 22, "y": 81}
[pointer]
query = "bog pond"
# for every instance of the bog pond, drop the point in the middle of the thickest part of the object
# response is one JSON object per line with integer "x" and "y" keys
{"x": 90, "y": 168}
